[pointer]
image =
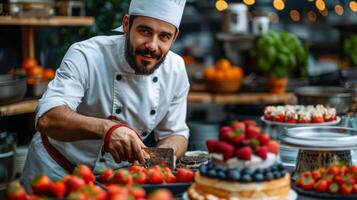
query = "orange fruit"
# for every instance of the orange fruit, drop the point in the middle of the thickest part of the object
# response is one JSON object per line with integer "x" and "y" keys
{"x": 223, "y": 64}
{"x": 220, "y": 76}
{"x": 238, "y": 73}
{"x": 35, "y": 72}
{"x": 209, "y": 73}
{"x": 28, "y": 64}
{"x": 48, "y": 74}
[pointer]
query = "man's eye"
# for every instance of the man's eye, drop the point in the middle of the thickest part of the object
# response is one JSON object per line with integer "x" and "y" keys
{"x": 145, "y": 32}
{"x": 165, "y": 37}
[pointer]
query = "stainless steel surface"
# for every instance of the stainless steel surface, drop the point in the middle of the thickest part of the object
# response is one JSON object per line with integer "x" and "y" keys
{"x": 337, "y": 97}
{"x": 310, "y": 160}
{"x": 326, "y": 138}
{"x": 12, "y": 89}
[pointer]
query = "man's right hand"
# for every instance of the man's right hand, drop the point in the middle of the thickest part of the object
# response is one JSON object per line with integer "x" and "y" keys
{"x": 125, "y": 145}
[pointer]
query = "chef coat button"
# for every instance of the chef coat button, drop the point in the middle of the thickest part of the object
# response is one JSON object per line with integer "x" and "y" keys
{"x": 118, "y": 77}
{"x": 118, "y": 111}
{"x": 144, "y": 133}
{"x": 155, "y": 79}
{"x": 152, "y": 112}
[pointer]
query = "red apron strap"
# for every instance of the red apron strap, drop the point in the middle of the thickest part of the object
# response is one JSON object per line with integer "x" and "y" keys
{"x": 56, "y": 155}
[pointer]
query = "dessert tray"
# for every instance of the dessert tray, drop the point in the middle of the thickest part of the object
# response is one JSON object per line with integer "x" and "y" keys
{"x": 322, "y": 195}
{"x": 330, "y": 123}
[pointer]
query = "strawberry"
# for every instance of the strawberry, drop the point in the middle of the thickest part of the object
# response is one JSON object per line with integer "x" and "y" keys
{"x": 225, "y": 149}
{"x": 136, "y": 168}
{"x": 123, "y": 176}
{"x": 116, "y": 190}
{"x": 139, "y": 177}
{"x": 253, "y": 132}
{"x": 93, "y": 192}
{"x": 334, "y": 188}
{"x": 262, "y": 152}
{"x": 308, "y": 183}
{"x": 184, "y": 175}
{"x": 244, "y": 153}
{"x": 41, "y": 185}
{"x": 280, "y": 117}
{"x": 306, "y": 174}
{"x": 334, "y": 170}
{"x": 298, "y": 182}
{"x": 169, "y": 177}
{"x": 273, "y": 147}
{"x": 211, "y": 145}
{"x": 137, "y": 192}
{"x": 353, "y": 169}
{"x": 225, "y": 133}
{"x": 343, "y": 169}
{"x": 321, "y": 186}
{"x": 162, "y": 194}
{"x": 249, "y": 122}
{"x": 58, "y": 189}
{"x": 237, "y": 137}
{"x": 338, "y": 179}
{"x": 264, "y": 139}
{"x": 106, "y": 175}
{"x": 155, "y": 176}
{"x": 346, "y": 188}
{"x": 73, "y": 183}
{"x": 303, "y": 121}
{"x": 15, "y": 191}
{"x": 291, "y": 120}
{"x": 84, "y": 172}
{"x": 236, "y": 125}
{"x": 317, "y": 119}
{"x": 76, "y": 196}
{"x": 354, "y": 189}
{"x": 316, "y": 175}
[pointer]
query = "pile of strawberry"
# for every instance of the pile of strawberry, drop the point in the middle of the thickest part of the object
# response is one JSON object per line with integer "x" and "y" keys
{"x": 337, "y": 178}
{"x": 242, "y": 139}
{"x": 139, "y": 175}
{"x": 80, "y": 186}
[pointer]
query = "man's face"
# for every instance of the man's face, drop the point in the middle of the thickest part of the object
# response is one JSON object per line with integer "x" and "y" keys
{"x": 147, "y": 42}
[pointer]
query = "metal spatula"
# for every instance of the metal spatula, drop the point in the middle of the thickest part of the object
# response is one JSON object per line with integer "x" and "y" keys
{"x": 160, "y": 156}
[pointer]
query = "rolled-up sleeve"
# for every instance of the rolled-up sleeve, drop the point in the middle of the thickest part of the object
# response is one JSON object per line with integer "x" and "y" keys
{"x": 174, "y": 122}
{"x": 69, "y": 85}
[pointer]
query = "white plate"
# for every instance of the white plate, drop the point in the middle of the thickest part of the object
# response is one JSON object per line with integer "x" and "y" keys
{"x": 338, "y": 119}
{"x": 292, "y": 195}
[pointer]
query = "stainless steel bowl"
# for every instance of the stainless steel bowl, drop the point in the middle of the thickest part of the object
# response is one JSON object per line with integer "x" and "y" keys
{"x": 12, "y": 89}
{"x": 337, "y": 97}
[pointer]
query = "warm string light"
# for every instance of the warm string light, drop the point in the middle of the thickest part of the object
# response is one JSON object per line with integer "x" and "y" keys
{"x": 221, "y": 5}
{"x": 320, "y": 4}
{"x": 249, "y": 2}
{"x": 339, "y": 10}
{"x": 295, "y": 15}
{"x": 279, "y": 4}
{"x": 353, "y": 6}
{"x": 324, "y": 12}
{"x": 311, "y": 16}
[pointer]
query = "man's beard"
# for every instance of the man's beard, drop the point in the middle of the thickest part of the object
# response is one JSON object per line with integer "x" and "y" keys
{"x": 130, "y": 58}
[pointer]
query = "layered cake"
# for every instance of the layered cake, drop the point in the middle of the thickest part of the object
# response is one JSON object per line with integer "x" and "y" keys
{"x": 243, "y": 166}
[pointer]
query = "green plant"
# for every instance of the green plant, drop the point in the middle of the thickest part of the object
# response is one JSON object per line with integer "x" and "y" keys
{"x": 350, "y": 48}
{"x": 280, "y": 55}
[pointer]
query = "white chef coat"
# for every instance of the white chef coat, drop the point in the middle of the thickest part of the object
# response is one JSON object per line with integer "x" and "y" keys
{"x": 94, "y": 79}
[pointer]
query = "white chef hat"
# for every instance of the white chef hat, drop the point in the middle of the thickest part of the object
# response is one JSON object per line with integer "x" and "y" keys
{"x": 166, "y": 10}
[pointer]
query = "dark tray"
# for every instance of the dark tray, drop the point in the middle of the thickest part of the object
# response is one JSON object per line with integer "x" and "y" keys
{"x": 177, "y": 189}
{"x": 318, "y": 195}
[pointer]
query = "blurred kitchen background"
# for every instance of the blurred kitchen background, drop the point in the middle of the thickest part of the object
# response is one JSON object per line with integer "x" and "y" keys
{"x": 230, "y": 47}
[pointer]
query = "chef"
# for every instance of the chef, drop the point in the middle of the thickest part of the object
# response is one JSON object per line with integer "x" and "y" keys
{"x": 112, "y": 93}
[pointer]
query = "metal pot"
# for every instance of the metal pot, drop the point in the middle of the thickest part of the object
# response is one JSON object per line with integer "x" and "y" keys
{"x": 7, "y": 158}
{"x": 12, "y": 89}
{"x": 337, "y": 97}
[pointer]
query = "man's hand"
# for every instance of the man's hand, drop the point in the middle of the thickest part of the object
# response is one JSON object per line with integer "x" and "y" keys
{"x": 125, "y": 145}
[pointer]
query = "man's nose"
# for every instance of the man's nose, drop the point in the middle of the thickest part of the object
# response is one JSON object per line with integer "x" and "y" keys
{"x": 152, "y": 44}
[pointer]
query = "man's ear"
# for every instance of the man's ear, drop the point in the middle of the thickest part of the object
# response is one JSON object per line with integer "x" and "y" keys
{"x": 175, "y": 37}
{"x": 126, "y": 23}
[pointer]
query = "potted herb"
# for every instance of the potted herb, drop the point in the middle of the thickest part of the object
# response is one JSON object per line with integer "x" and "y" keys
{"x": 350, "y": 47}
{"x": 277, "y": 56}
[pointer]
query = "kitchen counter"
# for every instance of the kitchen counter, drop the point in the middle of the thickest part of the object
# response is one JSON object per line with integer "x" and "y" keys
{"x": 29, "y": 106}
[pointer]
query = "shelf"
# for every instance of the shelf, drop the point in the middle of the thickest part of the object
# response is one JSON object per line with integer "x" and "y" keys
{"x": 23, "y": 107}
{"x": 47, "y": 21}
{"x": 29, "y": 106}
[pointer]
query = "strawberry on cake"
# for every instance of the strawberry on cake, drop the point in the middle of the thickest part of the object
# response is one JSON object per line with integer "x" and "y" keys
{"x": 243, "y": 166}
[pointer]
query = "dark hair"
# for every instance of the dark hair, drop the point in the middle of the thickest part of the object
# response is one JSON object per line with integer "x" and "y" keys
{"x": 131, "y": 21}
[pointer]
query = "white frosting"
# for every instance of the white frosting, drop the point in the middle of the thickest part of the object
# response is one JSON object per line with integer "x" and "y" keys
{"x": 254, "y": 163}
